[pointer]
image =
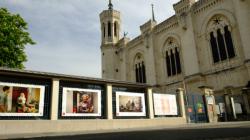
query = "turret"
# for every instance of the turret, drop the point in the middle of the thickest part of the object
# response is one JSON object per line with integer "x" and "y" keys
{"x": 110, "y": 25}
{"x": 110, "y": 30}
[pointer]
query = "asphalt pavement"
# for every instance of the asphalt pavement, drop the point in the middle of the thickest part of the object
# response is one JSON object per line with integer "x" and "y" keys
{"x": 191, "y": 132}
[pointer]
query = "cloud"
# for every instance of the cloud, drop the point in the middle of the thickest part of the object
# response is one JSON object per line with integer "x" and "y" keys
{"x": 67, "y": 32}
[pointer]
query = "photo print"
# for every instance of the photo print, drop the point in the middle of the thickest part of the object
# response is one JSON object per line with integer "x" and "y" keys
{"x": 165, "y": 104}
{"x": 81, "y": 102}
{"x": 21, "y": 99}
{"x": 130, "y": 104}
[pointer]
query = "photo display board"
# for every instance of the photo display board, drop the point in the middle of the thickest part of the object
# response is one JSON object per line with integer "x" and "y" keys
{"x": 130, "y": 104}
{"x": 81, "y": 102}
{"x": 21, "y": 99}
{"x": 165, "y": 104}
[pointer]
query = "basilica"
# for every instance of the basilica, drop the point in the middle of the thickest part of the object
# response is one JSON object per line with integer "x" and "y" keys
{"x": 203, "y": 47}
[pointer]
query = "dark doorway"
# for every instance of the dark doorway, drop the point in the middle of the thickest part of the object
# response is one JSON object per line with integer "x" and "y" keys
{"x": 196, "y": 109}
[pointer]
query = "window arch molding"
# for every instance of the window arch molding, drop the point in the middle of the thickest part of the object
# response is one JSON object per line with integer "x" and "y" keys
{"x": 230, "y": 17}
{"x": 219, "y": 35}
{"x": 133, "y": 55}
{"x": 139, "y": 57}
{"x": 171, "y": 56}
{"x": 139, "y": 68}
{"x": 168, "y": 45}
{"x": 213, "y": 27}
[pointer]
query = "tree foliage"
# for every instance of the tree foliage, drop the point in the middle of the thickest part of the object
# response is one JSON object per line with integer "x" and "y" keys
{"x": 13, "y": 38}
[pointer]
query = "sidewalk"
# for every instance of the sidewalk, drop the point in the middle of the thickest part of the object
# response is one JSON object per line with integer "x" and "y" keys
{"x": 244, "y": 124}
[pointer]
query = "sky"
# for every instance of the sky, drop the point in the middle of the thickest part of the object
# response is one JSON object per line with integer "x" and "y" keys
{"x": 67, "y": 32}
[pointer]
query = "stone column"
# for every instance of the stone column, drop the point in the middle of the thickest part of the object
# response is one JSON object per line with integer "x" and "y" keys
{"x": 247, "y": 64}
{"x": 233, "y": 108}
{"x": 245, "y": 98}
{"x": 228, "y": 106}
{"x": 181, "y": 102}
{"x": 150, "y": 103}
{"x": 54, "y": 99}
{"x": 230, "y": 101}
{"x": 210, "y": 104}
{"x": 109, "y": 103}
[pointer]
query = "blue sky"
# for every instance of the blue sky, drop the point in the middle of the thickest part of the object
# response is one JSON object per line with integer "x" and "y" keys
{"x": 67, "y": 32}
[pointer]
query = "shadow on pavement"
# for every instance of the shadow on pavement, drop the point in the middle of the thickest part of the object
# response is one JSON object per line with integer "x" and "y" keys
{"x": 166, "y": 134}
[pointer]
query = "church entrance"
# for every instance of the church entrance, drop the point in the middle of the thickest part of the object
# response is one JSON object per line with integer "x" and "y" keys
{"x": 196, "y": 109}
{"x": 221, "y": 108}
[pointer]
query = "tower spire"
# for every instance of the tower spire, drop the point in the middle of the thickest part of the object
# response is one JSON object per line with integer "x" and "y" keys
{"x": 110, "y": 5}
{"x": 153, "y": 13}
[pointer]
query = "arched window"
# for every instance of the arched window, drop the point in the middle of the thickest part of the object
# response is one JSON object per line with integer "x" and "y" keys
{"x": 137, "y": 73}
{"x": 140, "y": 69}
{"x": 109, "y": 29}
{"x": 214, "y": 48}
{"x": 221, "y": 41}
{"x": 168, "y": 63}
{"x": 173, "y": 62}
{"x": 115, "y": 28}
{"x": 143, "y": 73}
{"x": 229, "y": 43}
{"x": 178, "y": 62}
{"x": 104, "y": 30}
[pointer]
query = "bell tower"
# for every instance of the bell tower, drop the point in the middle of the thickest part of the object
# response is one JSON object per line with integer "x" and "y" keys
{"x": 110, "y": 25}
{"x": 110, "y": 35}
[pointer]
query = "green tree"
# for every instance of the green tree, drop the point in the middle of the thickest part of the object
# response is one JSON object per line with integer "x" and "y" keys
{"x": 13, "y": 38}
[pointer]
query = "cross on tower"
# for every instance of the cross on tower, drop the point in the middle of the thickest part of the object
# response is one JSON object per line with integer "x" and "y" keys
{"x": 153, "y": 14}
{"x": 110, "y": 5}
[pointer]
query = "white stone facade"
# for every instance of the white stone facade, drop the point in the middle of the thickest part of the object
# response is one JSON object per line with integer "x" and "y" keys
{"x": 188, "y": 31}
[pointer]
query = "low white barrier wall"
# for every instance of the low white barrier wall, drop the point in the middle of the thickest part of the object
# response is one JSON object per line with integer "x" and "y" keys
{"x": 21, "y": 127}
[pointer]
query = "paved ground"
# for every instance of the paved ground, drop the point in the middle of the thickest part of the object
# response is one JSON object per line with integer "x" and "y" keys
{"x": 192, "y": 132}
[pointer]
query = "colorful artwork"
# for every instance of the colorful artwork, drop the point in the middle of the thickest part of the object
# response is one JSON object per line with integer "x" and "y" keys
{"x": 21, "y": 100}
{"x": 130, "y": 104}
{"x": 190, "y": 110}
{"x": 199, "y": 107}
{"x": 165, "y": 104}
{"x": 81, "y": 102}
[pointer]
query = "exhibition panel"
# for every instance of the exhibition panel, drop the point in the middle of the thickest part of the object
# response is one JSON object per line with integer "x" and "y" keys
{"x": 129, "y": 103}
{"x": 53, "y": 103}
{"x": 165, "y": 105}
{"x": 24, "y": 97}
{"x": 79, "y": 100}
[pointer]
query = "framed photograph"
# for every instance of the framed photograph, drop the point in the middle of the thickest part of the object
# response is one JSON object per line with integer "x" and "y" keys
{"x": 21, "y": 99}
{"x": 130, "y": 104}
{"x": 165, "y": 104}
{"x": 81, "y": 102}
